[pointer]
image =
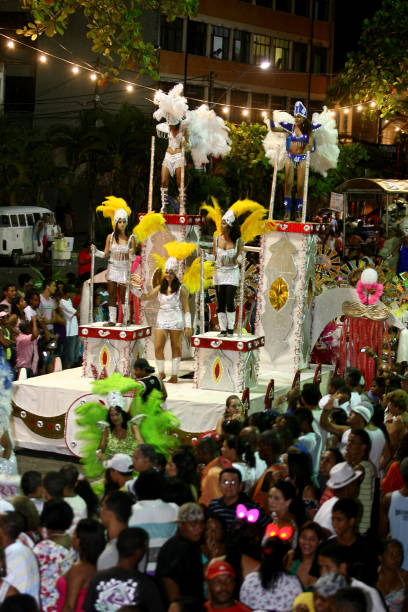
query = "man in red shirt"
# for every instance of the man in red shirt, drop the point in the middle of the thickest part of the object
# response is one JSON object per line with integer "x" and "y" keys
{"x": 220, "y": 578}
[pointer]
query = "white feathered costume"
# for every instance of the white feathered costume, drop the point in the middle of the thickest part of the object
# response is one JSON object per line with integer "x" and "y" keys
{"x": 325, "y": 135}
{"x": 208, "y": 135}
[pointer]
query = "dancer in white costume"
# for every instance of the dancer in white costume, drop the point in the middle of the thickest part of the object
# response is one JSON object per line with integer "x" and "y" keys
{"x": 8, "y": 461}
{"x": 172, "y": 318}
{"x": 119, "y": 247}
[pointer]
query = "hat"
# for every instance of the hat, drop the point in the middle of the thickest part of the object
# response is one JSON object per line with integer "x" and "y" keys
{"x": 300, "y": 109}
{"x": 362, "y": 411}
{"x": 329, "y": 584}
{"x": 120, "y": 462}
{"x": 229, "y": 217}
{"x": 190, "y": 512}
{"x": 115, "y": 398}
{"x": 171, "y": 265}
{"x": 219, "y": 568}
{"x": 120, "y": 213}
{"x": 341, "y": 475}
{"x": 143, "y": 364}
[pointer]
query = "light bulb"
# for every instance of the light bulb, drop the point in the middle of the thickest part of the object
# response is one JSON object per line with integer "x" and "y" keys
{"x": 129, "y": 88}
{"x": 245, "y": 112}
{"x": 346, "y": 111}
{"x": 359, "y": 107}
{"x": 265, "y": 65}
{"x": 225, "y": 110}
{"x": 43, "y": 59}
{"x": 75, "y": 69}
{"x": 93, "y": 77}
{"x": 11, "y": 44}
{"x": 372, "y": 104}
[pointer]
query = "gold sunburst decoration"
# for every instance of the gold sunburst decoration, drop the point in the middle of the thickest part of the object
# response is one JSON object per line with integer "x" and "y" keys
{"x": 278, "y": 293}
{"x": 327, "y": 268}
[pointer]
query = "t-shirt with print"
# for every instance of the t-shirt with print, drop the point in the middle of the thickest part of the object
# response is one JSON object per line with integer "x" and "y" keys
{"x": 47, "y": 306}
{"x": 111, "y": 589}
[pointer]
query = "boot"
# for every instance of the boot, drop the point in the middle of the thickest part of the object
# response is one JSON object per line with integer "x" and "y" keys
{"x": 160, "y": 368}
{"x": 222, "y": 322}
{"x": 299, "y": 207}
{"x": 124, "y": 317}
{"x": 230, "y": 323}
{"x": 175, "y": 364}
{"x": 112, "y": 317}
{"x": 288, "y": 208}
{"x": 182, "y": 200}
{"x": 163, "y": 192}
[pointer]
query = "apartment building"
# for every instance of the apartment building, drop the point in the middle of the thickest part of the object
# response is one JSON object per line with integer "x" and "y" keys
{"x": 221, "y": 55}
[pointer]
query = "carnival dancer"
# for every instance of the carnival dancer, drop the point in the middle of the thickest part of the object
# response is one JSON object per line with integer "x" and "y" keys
{"x": 120, "y": 247}
{"x": 228, "y": 242}
{"x": 174, "y": 315}
{"x": 172, "y": 107}
{"x": 318, "y": 136}
{"x": 8, "y": 461}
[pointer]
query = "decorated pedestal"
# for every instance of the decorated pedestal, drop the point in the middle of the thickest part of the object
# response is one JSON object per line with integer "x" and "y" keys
{"x": 226, "y": 364}
{"x": 180, "y": 228}
{"x": 111, "y": 349}
{"x": 286, "y": 287}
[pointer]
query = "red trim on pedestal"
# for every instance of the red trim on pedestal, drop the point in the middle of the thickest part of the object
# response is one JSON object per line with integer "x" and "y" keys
{"x": 300, "y": 228}
{"x": 241, "y": 345}
{"x": 115, "y": 333}
{"x": 179, "y": 219}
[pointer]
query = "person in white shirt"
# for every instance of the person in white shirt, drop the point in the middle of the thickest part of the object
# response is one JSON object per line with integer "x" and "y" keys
{"x": 76, "y": 502}
{"x": 21, "y": 563}
{"x": 71, "y": 347}
{"x": 33, "y": 302}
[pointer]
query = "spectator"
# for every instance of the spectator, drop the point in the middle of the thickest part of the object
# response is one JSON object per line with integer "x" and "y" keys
{"x": 284, "y": 506}
{"x": 72, "y": 343}
{"x": 242, "y": 458}
{"x": 121, "y": 469}
{"x": 27, "y": 347}
{"x": 22, "y": 569}
{"x": 234, "y": 410}
{"x": 270, "y": 587}
{"x": 211, "y": 464}
{"x": 311, "y": 440}
{"x": 231, "y": 495}
{"x": 116, "y": 509}
{"x": 251, "y": 436}
{"x": 33, "y": 303}
{"x": 357, "y": 454}
{"x": 328, "y": 460}
{"x": 20, "y": 603}
{"x": 31, "y": 534}
{"x": 54, "y": 553}
{"x": 220, "y": 578}
{"x": 77, "y": 503}
{"x": 350, "y": 599}
{"x": 179, "y": 567}
{"x": 47, "y": 303}
{"x": 397, "y": 418}
{"x": 122, "y": 584}
{"x": 394, "y": 512}
{"x": 31, "y": 487}
{"x": 89, "y": 542}
{"x": 270, "y": 447}
{"x": 181, "y": 464}
{"x": 53, "y": 485}
{"x": 325, "y": 589}
{"x": 393, "y": 479}
{"x": 6, "y": 589}
{"x": 17, "y": 308}
{"x": 9, "y": 293}
{"x": 304, "y": 564}
{"x": 25, "y": 283}
{"x": 40, "y": 236}
{"x": 144, "y": 458}
{"x": 155, "y": 516}
{"x": 392, "y": 580}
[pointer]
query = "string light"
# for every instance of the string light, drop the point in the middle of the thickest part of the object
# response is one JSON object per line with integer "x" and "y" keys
{"x": 372, "y": 104}
{"x": 346, "y": 111}
{"x": 129, "y": 88}
{"x": 75, "y": 69}
{"x": 245, "y": 112}
{"x": 225, "y": 110}
{"x": 332, "y": 113}
{"x": 397, "y": 129}
{"x": 264, "y": 114}
{"x": 10, "y": 44}
{"x": 359, "y": 108}
{"x": 93, "y": 77}
{"x": 43, "y": 58}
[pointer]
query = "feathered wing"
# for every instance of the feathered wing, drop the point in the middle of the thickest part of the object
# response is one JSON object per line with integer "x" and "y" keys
{"x": 214, "y": 213}
{"x": 115, "y": 382}
{"x": 180, "y": 250}
{"x": 326, "y": 138}
{"x": 208, "y": 135}
{"x": 111, "y": 205}
{"x": 6, "y": 391}
{"x": 172, "y": 106}
{"x": 148, "y": 225}
{"x": 282, "y": 117}
{"x": 160, "y": 262}
{"x": 256, "y": 224}
{"x": 157, "y": 424}
{"x": 273, "y": 142}
{"x": 88, "y": 415}
{"x": 192, "y": 275}
{"x": 241, "y": 207}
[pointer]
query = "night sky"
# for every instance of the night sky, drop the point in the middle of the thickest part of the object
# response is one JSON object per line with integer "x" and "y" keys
{"x": 349, "y": 17}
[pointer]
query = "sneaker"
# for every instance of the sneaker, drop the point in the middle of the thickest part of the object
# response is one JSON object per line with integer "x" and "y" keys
{"x": 230, "y": 332}
{"x": 222, "y": 334}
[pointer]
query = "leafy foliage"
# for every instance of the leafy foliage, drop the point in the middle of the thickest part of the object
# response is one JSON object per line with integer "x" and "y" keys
{"x": 114, "y": 28}
{"x": 377, "y": 70}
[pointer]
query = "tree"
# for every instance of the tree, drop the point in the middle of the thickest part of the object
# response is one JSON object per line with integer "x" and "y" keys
{"x": 377, "y": 71}
{"x": 114, "y": 27}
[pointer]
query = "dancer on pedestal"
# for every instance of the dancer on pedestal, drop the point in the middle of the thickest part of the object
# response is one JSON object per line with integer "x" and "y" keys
{"x": 174, "y": 312}
{"x": 120, "y": 247}
{"x": 319, "y": 137}
{"x": 228, "y": 242}
{"x": 172, "y": 107}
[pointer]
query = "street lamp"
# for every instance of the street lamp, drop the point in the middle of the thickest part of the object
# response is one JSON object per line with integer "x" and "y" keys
{"x": 263, "y": 66}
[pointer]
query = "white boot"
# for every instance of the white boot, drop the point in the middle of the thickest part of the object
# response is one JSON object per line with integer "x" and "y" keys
{"x": 160, "y": 363}
{"x": 230, "y": 323}
{"x": 112, "y": 316}
{"x": 175, "y": 364}
{"x": 124, "y": 317}
{"x": 182, "y": 200}
{"x": 222, "y": 322}
{"x": 163, "y": 192}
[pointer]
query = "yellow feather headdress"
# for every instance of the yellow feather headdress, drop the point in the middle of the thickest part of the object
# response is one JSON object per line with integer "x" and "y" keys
{"x": 214, "y": 214}
{"x": 111, "y": 206}
{"x": 254, "y": 225}
{"x": 180, "y": 250}
{"x": 148, "y": 225}
{"x": 191, "y": 278}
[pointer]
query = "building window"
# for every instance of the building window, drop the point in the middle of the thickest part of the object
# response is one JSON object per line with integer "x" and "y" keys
{"x": 196, "y": 38}
{"x": 321, "y": 8}
{"x": 194, "y": 95}
{"x": 171, "y": 34}
{"x": 280, "y": 54}
{"x": 241, "y": 46}
{"x": 302, "y": 7}
{"x": 283, "y": 5}
{"x": 319, "y": 60}
{"x": 299, "y": 57}
{"x": 261, "y": 48}
{"x": 220, "y": 42}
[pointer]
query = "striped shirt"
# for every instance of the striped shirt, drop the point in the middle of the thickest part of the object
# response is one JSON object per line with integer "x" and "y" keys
{"x": 228, "y": 513}
{"x": 22, "y": 569}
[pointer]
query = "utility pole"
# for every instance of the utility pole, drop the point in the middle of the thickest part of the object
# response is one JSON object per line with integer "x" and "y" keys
{"x": 211, "y": 89}
{"x": 186, "y": 58}
{"x": 309, "y": 83}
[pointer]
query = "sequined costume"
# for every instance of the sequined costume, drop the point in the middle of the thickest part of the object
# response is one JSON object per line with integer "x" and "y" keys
{"x": 170, "y": 315}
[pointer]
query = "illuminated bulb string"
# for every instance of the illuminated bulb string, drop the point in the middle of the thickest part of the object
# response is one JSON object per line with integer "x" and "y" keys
{"x": 77, "y": 67}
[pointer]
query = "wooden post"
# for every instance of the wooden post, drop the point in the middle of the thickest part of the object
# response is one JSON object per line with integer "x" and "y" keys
{"x": 305, "y": 187}
{"x": 150, "y": 196}
{"x": 241, "y": 293}
{"x": 91, "y": 288}
{"x": 182, "y": 197}
{"x": 202, "y": 305}
{"x": 273, "y": 186}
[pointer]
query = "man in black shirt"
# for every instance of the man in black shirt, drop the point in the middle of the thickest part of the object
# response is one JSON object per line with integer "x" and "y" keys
{"x": 231, "y": 489}
{"x": 179, "y": 567}
{"x": 124, "y": 585}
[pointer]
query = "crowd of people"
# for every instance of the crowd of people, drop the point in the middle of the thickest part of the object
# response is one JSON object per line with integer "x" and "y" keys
{"x": 302, "y": 507}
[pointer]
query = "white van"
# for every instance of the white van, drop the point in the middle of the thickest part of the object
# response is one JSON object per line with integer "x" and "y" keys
{"x": 16, "y": 230}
